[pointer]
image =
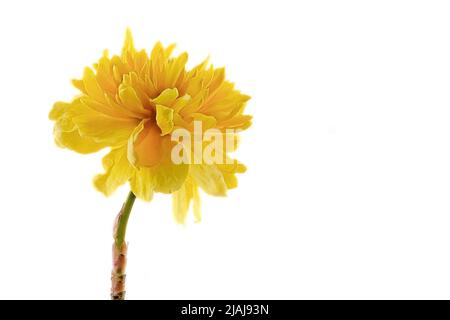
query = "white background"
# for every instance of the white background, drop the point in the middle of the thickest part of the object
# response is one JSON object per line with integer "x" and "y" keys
{"x": 348, "y": 189}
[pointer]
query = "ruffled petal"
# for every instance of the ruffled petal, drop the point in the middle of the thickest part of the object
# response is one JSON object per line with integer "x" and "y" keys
{"x": 167, "y": 97}
{"x": 145, "y": 145}
{"x": 181, "y": 200}
{"x": 241, "y": 122}
{"x": 164, "y": 119}
{"x": 151, "y": 153}
{"x": 58, "y": 110}
{"x": 102, "y": 128}
{"x": 197, "y": 203}
{"x": 230, "y": 180}
{"x": 141, "y": 184}
{"x": 93, "y": 89}
{"x": 118, "y": 171}
{"x": 131, "y": 153}
{"x": 209, "y": 178}
{"x": 66, "y": 133}
{"x": 73, "y": 141}
{"x": 169, "y": 177}
{"x": 229, "y": 171}
{"x": 131, "y": 101}
{"x": 208, "y": 122}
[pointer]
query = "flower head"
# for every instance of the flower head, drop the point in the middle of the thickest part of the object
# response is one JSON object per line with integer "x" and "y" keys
{"x": 132, "y": 104}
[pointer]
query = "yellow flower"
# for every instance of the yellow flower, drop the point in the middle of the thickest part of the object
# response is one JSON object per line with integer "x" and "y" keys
{"x": 132, "y": 103}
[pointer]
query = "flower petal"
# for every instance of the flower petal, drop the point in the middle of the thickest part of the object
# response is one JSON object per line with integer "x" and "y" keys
{"x": 169, "y": 177}
{"x": 118, "y": 171}
{"x": 141, "y": 184}
{"x": 59, "y": 108}
{"x": 91, "y": 86}
{"x": 176, "y": 69}
{"x": 238, "y": 122}
{"x": 167, "y": 97}
{"x": 72, "y": 140}
{"x": 146, "y": 145}
{"x": 131, "y": 154}
{"x": 164, "y": 119}
{"x": 66, "y": 133}
{"x": 102, "y": 128}
{"x": 181, "y": 200}
{"x": 197, "y": 203}
{"x": 230, "y": 180}
{"x": 208, "y": 122}
{"x": 131, "y": 101}
{"x": 128, "y": 45}
{"x": 209, "y": 178}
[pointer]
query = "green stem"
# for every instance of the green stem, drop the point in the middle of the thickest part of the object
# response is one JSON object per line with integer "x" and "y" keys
{"x": 122, "y": 219}
{"x": 120, "y": 250}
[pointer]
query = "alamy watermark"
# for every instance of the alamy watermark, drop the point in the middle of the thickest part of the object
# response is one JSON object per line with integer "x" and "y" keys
{"x": 209, "y": 147}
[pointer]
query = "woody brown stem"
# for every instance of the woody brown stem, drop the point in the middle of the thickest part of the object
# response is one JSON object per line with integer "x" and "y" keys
{"x": 119, "y": 250}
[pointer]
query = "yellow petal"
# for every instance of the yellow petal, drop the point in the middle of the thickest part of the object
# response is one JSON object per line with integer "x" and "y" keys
{"x": 209, "y": 178}
{"x": 217, "y": 80}
{"x": 79, "y": 85}
{"x": 157, "y": 64}
{"x": 197, "y": 203}
{"x": 65, "y": 124}
{"x": 230, "y": 180}
{"x": 201, "y": 66}
{"x": 229, "y": 170}
{"x": 164, "y": 119}
{"x": 59, "y": 108}
{"x": 169, "y": 177}
{"x": 118, "y": 171}
{"x": 224, "y": 99}
{"x": 131, "y": 101}
{"x": 238, "y": 122}
{"x": 72, "y": 140}
{"x": 208, "y": 122}
{"x": 66, "y": 133}
{"x": 109, "y": 108}
{"x": 131, "y": 154}
{"x": 181, "y": 200}
{"x": 194, "y": 104}
{"x": 103, "y": 128}
{"x": 168, "y": 51}
{"x": 167, "y": 97}
{"x": 143, "y": 91}
{"x": 178, "y": 121}
{"x": 147, "y": 145}
{"x": 141, "y": 184}
{"x": 176, "y": 69}
{"x": 181, "y": 102}
{"x": 91, "y": 86}
{"x": 104, "y": 76}
{"x": 163, "y": 176}
{"x": 128, "y": 45}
